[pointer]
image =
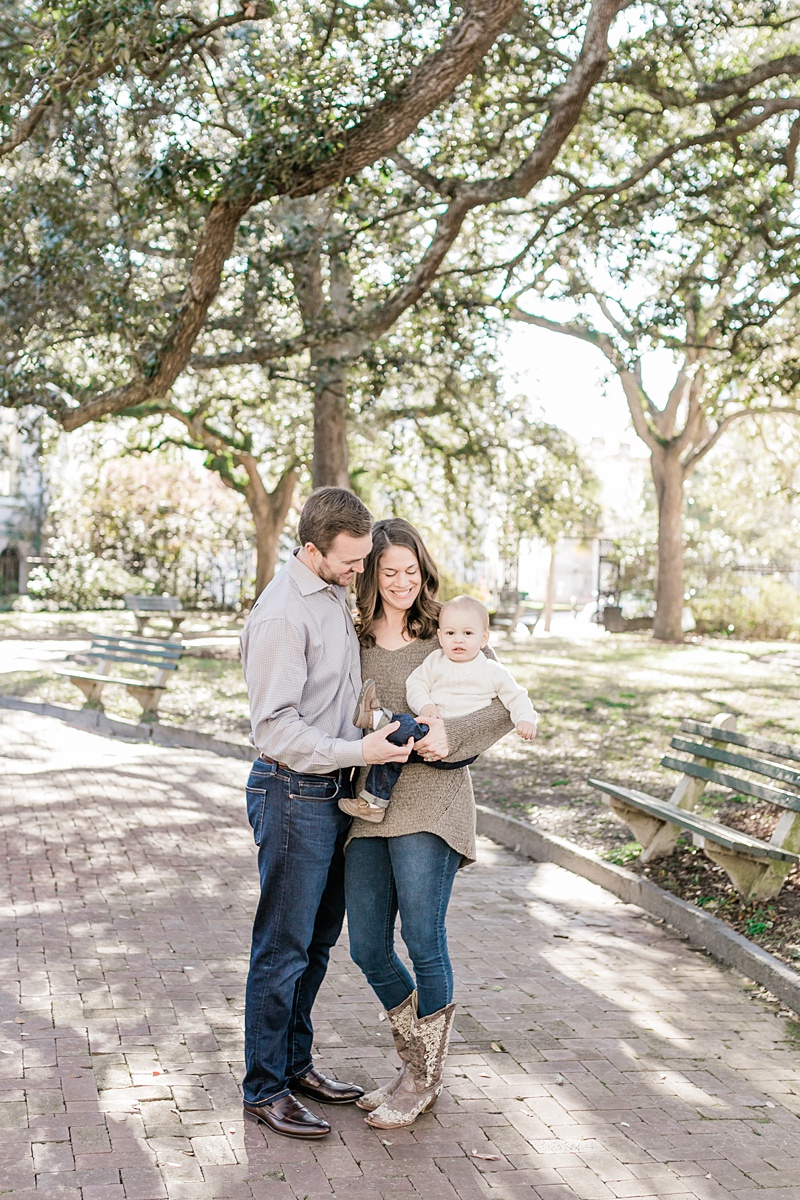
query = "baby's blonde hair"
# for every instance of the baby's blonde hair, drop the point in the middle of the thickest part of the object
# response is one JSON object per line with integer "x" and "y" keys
{"x": 479, "y": 609}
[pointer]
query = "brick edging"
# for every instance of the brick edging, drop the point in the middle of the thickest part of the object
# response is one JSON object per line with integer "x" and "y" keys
{"x": 96, "y": 721}
{"x": 704, "y": 929}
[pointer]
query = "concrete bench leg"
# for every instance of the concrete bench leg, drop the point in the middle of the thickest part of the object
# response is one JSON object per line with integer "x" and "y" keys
{"x": 657, "y": 838}
{"x": 753, "y": 878}
{"x": 91, "y": 688}
{"x": 148, "y": 697}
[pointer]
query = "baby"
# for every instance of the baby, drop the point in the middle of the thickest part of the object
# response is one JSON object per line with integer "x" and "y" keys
{"x": 453, "y": 681}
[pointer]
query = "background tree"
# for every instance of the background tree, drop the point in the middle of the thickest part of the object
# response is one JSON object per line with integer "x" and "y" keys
{"x": 535, "y": 117}
{"x": 118, "y": 523}
{"x": 742, "y": 527}
{"x": 711, "y": 281}
{"x": 286, "y": 106}
{"x": 254, "y": 434}
{"x": 316, "y": 270}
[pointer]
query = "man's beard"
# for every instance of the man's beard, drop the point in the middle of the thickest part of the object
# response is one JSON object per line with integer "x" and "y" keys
{"x": 329, "y": 576}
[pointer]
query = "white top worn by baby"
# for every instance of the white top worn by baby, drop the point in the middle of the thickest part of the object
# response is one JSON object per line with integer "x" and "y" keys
{"x": 458, "y": 688}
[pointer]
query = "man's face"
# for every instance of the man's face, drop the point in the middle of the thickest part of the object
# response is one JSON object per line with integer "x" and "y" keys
{"x": 344, "y": 560}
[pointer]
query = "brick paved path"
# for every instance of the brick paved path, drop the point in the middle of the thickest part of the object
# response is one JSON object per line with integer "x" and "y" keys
{"x": 595, "y": 1054}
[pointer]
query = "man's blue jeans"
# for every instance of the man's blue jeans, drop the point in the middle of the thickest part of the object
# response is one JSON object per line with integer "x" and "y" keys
{"x": 300, "y": 834}
{"x": 412, "y": 875}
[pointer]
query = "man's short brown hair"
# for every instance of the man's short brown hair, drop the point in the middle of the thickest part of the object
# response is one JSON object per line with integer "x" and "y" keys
{"x": 329, "y": 511}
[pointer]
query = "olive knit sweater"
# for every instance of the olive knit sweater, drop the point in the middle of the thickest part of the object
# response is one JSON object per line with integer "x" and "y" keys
{"x": 426, "y": 800}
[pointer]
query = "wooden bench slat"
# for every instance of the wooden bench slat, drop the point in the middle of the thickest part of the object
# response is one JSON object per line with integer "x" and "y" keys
{"x": 149, "y": 645}
{"x": 139, "y": 644}
{"x": 772, "y": 795}
{"x": 759, "y": 765}
{"x": 135, "y": 651}
{"x": 153, "y": 603}
{"x": 107, "y": 678}
{"x": 750, "y": 741}
{"x": 159, "y": 604}
{"x": 723, "y": 835}
{"x": 164, "y": 664}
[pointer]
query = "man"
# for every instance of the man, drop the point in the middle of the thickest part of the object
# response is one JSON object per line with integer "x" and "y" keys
{"x": 301, "y": 662}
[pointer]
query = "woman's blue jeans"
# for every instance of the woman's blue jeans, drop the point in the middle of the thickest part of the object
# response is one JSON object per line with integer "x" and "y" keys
{"x": 412, "y": 875}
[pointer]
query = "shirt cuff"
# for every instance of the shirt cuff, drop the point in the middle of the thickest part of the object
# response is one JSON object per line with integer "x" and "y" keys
{"x": 348, "y": 754}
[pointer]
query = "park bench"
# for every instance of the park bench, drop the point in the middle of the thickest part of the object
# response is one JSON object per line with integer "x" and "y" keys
{"x": 145, "y": 608}
{"x": 158, "y": 658}
{"x": 508, "y": 613}
{"x": 756, "y": 868}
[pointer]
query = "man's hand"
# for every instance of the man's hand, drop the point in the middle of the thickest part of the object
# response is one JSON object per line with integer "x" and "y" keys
{"x": 376, "y": 748}
{"x": 526, "y": 730}
{"x": 434, "y": 746}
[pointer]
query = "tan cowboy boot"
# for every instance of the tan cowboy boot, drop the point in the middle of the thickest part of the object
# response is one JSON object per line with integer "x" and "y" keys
{"x": 418, "y": 1089}
{"x": 401, "y": 1020}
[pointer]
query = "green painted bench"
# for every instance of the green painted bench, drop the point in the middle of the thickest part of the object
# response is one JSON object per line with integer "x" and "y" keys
{"x": 158, "y": 658}
{"x": 508, "y": 613}
{"x": 145, "y": 608}
{"x": 716, "y": 753}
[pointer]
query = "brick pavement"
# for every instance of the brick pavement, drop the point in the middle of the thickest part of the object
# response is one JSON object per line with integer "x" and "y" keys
{"x": 595, "y": 1055}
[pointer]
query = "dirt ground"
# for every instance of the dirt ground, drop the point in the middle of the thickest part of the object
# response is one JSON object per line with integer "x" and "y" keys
{"x": 608, "y": 706}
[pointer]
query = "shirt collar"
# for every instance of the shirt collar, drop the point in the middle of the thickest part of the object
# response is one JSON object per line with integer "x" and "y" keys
{"x": 307, "y": 580}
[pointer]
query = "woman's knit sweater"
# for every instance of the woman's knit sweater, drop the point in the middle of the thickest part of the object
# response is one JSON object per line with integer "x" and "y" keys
{"x": 426, "y": 800}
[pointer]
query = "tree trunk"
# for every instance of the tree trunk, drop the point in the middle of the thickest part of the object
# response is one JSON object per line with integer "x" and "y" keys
{"x": 668, "y": 477}
{"x": 330, "y": 464}
{"x": 549, "y": 599}
{"x": 269, "y": 511}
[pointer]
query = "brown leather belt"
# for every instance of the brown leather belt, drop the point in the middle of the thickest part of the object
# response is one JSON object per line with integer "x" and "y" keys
{"x": 273, "y": 762}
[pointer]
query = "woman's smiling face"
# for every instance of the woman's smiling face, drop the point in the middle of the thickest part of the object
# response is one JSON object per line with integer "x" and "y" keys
{"x": 399, "y": 578}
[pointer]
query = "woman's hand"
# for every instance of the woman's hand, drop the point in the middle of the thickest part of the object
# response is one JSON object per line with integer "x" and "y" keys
{"x": 434, "y": 746}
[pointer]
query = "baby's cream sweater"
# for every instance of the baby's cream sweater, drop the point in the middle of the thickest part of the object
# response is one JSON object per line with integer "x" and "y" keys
{"x": 458, "y": 688}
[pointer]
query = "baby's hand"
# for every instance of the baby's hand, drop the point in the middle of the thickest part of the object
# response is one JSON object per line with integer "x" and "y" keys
{"x": 526, "y": 730}
{"x": 428, "y": 713}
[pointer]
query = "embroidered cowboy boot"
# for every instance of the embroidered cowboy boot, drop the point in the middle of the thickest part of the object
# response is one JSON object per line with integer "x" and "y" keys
{"x": 418, "y": 1089}
{"x": 401, "y": 1020}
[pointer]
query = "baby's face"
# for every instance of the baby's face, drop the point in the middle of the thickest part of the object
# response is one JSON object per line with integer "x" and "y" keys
{"x": 461, "y": 635}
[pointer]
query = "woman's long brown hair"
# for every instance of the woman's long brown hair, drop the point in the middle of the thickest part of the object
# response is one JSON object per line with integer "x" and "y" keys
{"x": 422, "y": 619}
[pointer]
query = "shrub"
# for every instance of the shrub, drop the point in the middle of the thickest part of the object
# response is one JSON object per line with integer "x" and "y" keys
{"x": 77, "y": 579}
{"x": 762, "y": 608}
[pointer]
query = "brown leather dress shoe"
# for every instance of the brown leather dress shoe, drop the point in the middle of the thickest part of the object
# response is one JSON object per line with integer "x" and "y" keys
{"x": 327, "y": 1091}
{"x": 289, "y": 1118}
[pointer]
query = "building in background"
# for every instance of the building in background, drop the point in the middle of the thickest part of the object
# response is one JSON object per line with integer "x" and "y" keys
{"x": 623, "y": 477}
{"x": 21, "y": 504}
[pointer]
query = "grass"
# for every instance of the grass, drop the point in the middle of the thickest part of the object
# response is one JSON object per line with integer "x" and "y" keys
{"x": 47, "y": 625}
{"x": 608, "y": 707}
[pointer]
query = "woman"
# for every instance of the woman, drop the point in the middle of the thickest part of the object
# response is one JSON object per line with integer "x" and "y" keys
{"x": 407, "y": 864}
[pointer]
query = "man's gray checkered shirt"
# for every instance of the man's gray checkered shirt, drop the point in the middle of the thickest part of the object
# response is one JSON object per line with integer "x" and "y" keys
{"x": 302, "y": 667}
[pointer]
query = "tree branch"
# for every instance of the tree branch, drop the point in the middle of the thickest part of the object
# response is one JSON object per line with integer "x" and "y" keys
{"x": 766, "y": 410}
{"x": 583, "y": 332}
{"x": 566, "y": 107}
{"x": 740, "y": 85}
{"x": 376, "y": 135}
{"x": 91, "y": 69}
